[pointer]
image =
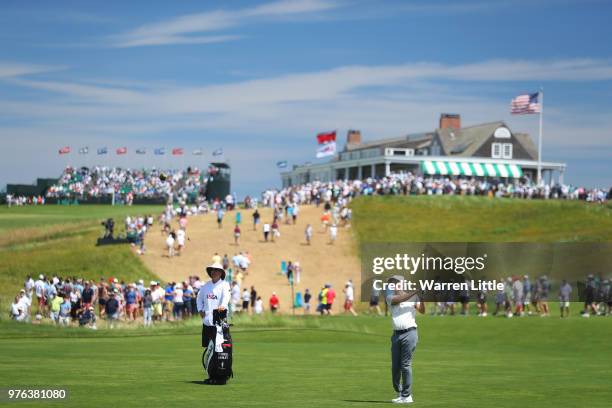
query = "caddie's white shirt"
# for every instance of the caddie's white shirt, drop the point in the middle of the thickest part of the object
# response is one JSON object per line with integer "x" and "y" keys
{"x": 212, "y": 296}
{"x": 403, "y": 314}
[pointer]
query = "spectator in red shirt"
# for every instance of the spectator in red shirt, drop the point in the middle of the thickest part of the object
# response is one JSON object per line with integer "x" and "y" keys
{"x": 274, "y": 302}
{"x": 331, "y": 295}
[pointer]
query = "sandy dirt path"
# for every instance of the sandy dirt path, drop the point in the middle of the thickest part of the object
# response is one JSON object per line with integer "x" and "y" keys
{"x": 320, "y": 262}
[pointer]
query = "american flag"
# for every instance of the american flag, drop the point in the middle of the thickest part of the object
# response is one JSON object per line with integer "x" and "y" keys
{"x": 526, "y": 104}
{"x": 177, "y": 151}
{"x": 122, "y": 150}
{"x": 64, "y": 150}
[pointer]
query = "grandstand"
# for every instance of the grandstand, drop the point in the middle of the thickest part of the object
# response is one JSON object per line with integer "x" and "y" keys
{"x": 105, "y": 185}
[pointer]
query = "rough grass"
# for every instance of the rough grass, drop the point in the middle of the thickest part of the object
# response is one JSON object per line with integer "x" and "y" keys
{"x": 61, "y": 240}
{"x": 44, "y": 215}
{"x": 478, "y": 219}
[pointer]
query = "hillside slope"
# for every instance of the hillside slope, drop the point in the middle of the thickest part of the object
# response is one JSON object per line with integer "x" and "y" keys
{"x": 320, "y": 262}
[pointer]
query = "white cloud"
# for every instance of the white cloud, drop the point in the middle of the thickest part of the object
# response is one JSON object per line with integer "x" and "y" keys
{"x": 187, "y": 29}
{"x": 13, "y": 69}
{"x": 320, "y": 86}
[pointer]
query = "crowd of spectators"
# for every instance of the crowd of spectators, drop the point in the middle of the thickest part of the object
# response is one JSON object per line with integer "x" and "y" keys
{"x": 21, "y": 200}
{"x": 520, "y": 296}
{"x": 76, "y": 301}
{"x": 128, "y": 183}
{"x": 411, "y": 184}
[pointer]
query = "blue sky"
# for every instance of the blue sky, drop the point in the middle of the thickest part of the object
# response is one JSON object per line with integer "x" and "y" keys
{"x": 260, "y": 79}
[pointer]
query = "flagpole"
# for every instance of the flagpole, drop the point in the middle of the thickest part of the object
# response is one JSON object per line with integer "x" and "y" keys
{"x": 540, "y": 137}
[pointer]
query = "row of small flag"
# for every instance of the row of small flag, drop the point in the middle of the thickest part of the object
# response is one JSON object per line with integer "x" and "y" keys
{"x": 160, "y": 151}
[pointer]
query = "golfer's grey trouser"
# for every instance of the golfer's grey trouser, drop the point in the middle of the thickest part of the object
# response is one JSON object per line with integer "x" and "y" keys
{"x": 402, "y": 349}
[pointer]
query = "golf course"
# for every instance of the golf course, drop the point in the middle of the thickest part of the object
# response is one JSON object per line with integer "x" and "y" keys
{"x": 304, "y": 361}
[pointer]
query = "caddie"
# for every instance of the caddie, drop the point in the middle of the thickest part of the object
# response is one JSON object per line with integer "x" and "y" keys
{"x": 213, "y": 295}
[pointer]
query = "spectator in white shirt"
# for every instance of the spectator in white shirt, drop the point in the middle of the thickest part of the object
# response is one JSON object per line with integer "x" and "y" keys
{"x": 17, "y": 312}
{"x": 349, "y": 293}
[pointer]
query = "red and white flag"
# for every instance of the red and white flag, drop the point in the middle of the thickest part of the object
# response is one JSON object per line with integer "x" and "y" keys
{"x": 64, "y": 150}
{"x": 177, "y": 151}
{"x": 122, "y": 150}
{"x": 327, "y": 144}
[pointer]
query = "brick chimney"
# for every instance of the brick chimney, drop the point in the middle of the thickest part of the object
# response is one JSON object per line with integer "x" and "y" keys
{"x": 450, "y": 120}
{"x": 353, "y": 137}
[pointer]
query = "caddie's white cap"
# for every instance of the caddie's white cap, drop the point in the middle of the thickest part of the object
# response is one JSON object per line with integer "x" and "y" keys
{"x": 217, "y": 266}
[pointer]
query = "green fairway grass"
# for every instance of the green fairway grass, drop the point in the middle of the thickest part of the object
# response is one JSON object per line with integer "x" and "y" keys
{"x": 478, "y": 219}
{"x": 333, "y": 362}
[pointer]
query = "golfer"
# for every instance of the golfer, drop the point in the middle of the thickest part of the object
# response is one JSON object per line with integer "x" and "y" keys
{"x": 403, "y": 306}
{"x": 214, "y": 295}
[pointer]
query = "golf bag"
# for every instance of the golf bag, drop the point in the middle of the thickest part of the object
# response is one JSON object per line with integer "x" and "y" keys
{"x": 217, "y": 357}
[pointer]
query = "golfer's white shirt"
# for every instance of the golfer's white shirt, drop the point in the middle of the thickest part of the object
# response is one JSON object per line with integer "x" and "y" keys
{"x": 212, "y": 296}
{"x": 403, "y": 314}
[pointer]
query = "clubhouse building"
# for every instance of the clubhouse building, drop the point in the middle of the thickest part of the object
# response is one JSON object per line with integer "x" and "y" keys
{"x": 489, "y": 150}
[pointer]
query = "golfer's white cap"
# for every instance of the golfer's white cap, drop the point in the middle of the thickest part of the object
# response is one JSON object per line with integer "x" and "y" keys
{"x": 141, "y": 281}
{"x": 41, "y": 276}
{"x": 153, "y": 283}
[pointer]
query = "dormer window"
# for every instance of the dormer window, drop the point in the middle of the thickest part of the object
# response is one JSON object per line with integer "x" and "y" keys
{"x": 501, "y": 150}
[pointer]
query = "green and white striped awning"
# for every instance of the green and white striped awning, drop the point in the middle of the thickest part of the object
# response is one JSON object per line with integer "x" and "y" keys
{"x": 471, "y": 169}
